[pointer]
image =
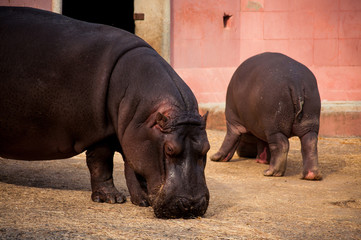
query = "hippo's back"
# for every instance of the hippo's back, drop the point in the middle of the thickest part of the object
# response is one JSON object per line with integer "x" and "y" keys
{"x": 271, "y": 92}
{"x": 54, "y": 75}
{"x": 273, "y": 71}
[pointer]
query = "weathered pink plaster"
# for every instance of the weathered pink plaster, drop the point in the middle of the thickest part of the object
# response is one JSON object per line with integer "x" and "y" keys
{"x": 325, "y": 35}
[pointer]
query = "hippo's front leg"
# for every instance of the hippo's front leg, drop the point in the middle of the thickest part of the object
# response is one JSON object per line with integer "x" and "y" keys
{"x": 137, "y": 187}
{"x": 100, "y": 163}
{"x": 278, "y": 146}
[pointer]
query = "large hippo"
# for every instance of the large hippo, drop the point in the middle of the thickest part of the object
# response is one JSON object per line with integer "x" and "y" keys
{"x": 271, "y": 98}
{"x": 69, "y": 86}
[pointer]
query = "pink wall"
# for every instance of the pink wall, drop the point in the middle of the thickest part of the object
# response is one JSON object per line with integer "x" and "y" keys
{"x": 325, "y": 35}
{"x": 42, "y": 4}
{"x": 204, "y": 52}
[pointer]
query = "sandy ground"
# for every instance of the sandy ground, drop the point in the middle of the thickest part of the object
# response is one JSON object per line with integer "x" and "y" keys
{"x": 51, "y": 200}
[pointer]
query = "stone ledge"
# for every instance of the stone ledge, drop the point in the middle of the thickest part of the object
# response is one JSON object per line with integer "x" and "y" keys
{"x": 338, "y": 118}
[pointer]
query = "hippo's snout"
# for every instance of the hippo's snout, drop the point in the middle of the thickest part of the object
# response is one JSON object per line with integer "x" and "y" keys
{"x": 182, "y": 207}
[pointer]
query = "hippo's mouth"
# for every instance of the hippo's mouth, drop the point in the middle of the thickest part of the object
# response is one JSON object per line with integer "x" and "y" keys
{"x": 180, "y": 207}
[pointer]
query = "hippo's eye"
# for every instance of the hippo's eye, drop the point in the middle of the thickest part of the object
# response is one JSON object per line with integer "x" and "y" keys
{"x": 171, "y": 149}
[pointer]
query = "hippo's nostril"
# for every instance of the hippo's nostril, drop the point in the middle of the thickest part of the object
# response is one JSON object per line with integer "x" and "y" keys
{"x": 183, "y": 204}
{"x": 202, "y": 205}
{"x": 202, "y": 202}
{"x": 192, "y": 207}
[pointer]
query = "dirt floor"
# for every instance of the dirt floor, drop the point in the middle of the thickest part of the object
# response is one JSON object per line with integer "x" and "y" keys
{"x": 51, "y": 200}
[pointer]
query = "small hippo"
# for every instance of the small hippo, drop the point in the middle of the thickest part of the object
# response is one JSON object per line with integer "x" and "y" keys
{"x": 271, "y": 98}
{"x": 69, "y": 86}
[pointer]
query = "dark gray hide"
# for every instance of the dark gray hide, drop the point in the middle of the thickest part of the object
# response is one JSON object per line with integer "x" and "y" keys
{"x": 271, "y": 98}
{"x": 68, "y": 86}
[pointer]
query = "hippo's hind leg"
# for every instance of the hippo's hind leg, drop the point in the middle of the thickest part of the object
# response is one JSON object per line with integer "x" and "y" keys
{"x": 310, "y": 156}
{"x": 229, "y": 145}
{"x": 99, "y": 159}
{"x": 278, "y": 146}
{"x": 137, "y": 187}
{"x": 253, "y": 147}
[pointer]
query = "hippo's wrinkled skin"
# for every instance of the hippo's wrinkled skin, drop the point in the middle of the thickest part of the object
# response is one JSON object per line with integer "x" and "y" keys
{"x": 68, "y": 86}
{"x": 271, "y": 98}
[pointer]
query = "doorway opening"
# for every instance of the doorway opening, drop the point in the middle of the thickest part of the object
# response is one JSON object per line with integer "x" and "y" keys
{"x": 111, "y": 12}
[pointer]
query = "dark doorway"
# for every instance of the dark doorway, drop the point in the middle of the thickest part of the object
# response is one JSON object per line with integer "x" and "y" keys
{"x": 110, "y": 12}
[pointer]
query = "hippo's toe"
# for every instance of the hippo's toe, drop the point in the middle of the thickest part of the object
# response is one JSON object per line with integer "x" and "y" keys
{"x": 273, "y": 173}
{"x": 219, "y": 157}
{"x": 112, "y": 197}
{"x": 140, "y": 202}
{"x": 262, "y": 161}
{"x": 216, "y": 157}
{"x": 312, "y": 175}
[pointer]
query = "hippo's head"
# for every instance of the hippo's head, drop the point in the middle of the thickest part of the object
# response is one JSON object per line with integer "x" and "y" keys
{"x": 167, "y": 162}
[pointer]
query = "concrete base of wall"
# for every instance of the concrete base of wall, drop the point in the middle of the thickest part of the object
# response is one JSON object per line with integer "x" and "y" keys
{"x": 338, "y": 119}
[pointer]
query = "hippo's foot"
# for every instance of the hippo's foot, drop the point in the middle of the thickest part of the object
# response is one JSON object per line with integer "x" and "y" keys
{"x": 144, "y": 203}
{"x": 263, "y": 157}
{"x": 108, "y": 194}
{"x": 137, "y": 186}
{"x": 219, "y": 157}
{"x": 113, "y": 197}
{"x": 141, "y": 202}
{"x": 273, "y": 173}
{"x": 312, "y": 175}
{"x": 263, "y": 161}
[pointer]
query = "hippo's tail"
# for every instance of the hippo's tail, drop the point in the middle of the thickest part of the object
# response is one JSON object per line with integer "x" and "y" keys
{"x": 298, "y": 100}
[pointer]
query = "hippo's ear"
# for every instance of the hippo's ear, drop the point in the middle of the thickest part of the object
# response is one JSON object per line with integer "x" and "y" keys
{"x": 204, "y": 118}
{"x": 161, "y": 120}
